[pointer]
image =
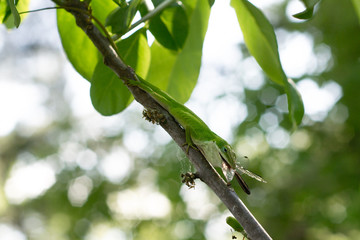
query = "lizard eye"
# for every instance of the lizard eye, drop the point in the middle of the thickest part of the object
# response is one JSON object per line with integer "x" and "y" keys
{"x": 225, "y": 149}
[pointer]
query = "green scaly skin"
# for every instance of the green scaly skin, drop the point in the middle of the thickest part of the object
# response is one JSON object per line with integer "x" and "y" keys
{"x": 215, "y": 149}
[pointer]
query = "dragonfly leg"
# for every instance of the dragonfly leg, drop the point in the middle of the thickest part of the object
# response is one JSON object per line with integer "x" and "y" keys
{"x": 242, "y": 183}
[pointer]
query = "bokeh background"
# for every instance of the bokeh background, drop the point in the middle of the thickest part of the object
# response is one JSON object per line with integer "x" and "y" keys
{"x": 67, "y": 172}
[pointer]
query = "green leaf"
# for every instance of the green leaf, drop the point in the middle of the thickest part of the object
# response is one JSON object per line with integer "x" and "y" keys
{"x": 177, "y": 72}
{"x": 232, "y": 222}
{"x": 296, "y": 105}
{"x": 5, "y": 11}
{"x": 108, "y": 93}
{"x": 135, "y": 52}
{"x": 120, "y": 19}
{"x": 9, "y": 13}
{"x": 14, "y": 12}
{"x": 308, "y": 12}
{"x": 121, "y": 3}
{"x": 170, "y": 27}
{"x": 211, "y": 2}
{"x": 261, "y": 41}
{"x": 310, "y": 3}
{"x": 79, "y": 49}
{"x": 157, "y": 2}
{"x": 356, "y": 4}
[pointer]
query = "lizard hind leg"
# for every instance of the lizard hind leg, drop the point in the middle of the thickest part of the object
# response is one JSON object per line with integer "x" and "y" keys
{"x": 188, "y": 141}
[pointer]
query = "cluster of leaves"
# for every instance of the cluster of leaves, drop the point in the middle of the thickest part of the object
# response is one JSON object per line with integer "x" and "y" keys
{"x": 173, "y": 60}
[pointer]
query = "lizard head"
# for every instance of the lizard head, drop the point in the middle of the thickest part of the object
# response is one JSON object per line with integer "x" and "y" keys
{"x": 226, "y": 152}
{"x": 228, "y": 158}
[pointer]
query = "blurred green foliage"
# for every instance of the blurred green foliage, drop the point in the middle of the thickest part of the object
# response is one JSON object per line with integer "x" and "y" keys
{"x": 313, "y": 189}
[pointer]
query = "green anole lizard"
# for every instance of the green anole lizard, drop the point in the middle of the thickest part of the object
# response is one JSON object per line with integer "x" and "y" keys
{"x": 215, "y": 149}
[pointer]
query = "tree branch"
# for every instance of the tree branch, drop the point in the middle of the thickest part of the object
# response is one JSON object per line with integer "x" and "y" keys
{"x": 205, "y": 171}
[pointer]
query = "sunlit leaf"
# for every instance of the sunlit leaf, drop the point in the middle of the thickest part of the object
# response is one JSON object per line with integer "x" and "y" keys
{"x": 79, "y": 49}
{"x": 108, "y": 93}
{"x": 261, "y": 41}
{"x": 170, "y": 27}
{"x": 356, "y": 4}
{"x": 177, "y": 72}
{"x": 3, "y": 6}
{"x": 5, "y": 12}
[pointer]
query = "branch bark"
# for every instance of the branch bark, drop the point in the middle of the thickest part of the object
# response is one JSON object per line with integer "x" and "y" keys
{"x": 204, "y": 170}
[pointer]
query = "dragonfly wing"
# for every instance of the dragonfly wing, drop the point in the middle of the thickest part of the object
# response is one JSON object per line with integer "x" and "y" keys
{"x": 228, "y": 171}
{"x": 242, "y": 170}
